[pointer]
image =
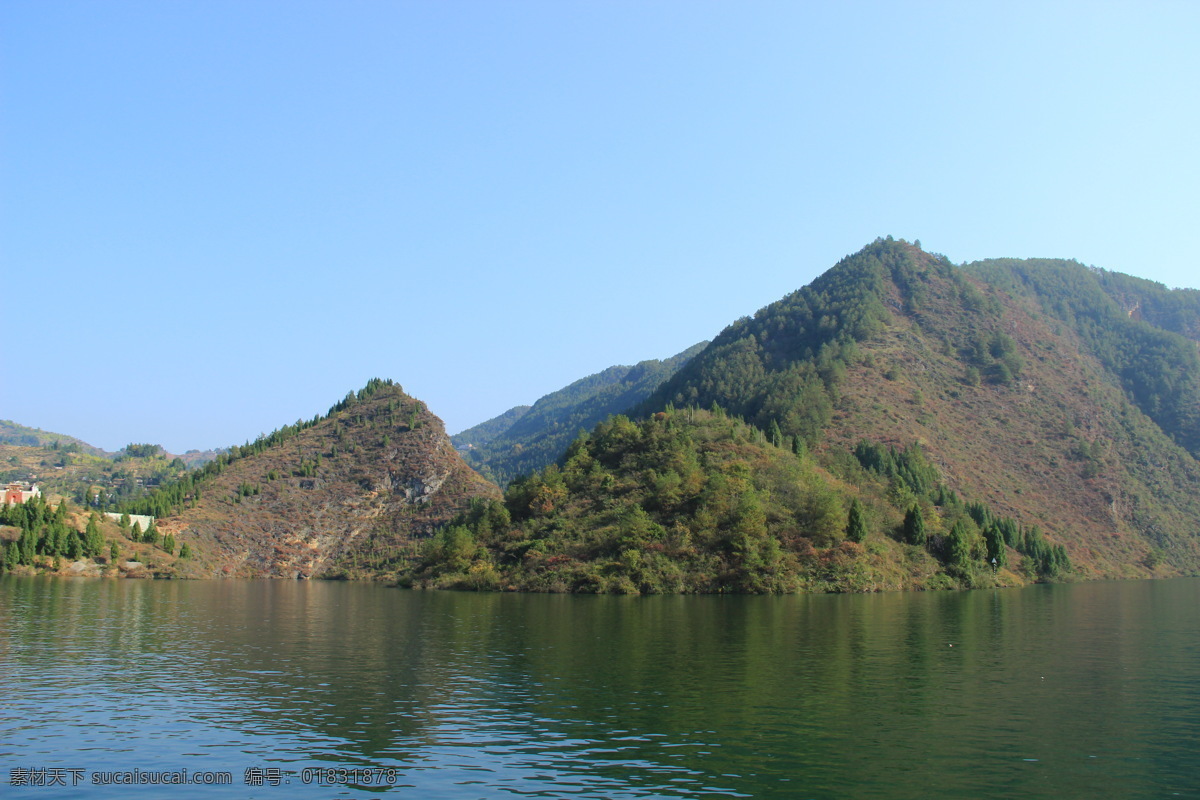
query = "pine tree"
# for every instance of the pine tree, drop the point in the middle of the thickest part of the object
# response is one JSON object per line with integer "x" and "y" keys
{"x": 776, "y": 434}
{"x": 799, "y": 447}
{"x": 960, "y": 544}
{"x": 994, "y": 537}
{"x": 914, "y": 527}
{"x": 856, "y": 527}
{"x": 93, "y": 540}
{"x": 27, "y": 547}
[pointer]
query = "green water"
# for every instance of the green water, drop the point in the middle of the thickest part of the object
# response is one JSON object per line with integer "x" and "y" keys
{"x": 1090, "y": 690}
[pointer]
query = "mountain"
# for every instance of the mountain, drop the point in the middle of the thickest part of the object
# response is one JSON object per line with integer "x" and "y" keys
{"x": 1048, "y": 422}
{"x": 485, "y": 432}
{"x": 538, "y": 435}
{"x": 12, "y": 433}
{"x": 345, "y": 494}
{"x": 1041, "y": 413}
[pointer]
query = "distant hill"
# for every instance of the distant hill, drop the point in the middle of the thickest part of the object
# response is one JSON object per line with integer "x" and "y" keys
{"x": 537, "y": 436}
{"x": 344, "y": 494}
{"x": 485, "y": 432}
{"x": 1038, "y": 412}
{"x": 15, "y": 434}
{"x": 69, "y": 467}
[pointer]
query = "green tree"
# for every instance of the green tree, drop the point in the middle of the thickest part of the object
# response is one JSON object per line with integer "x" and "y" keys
{"x": 776, "y": 434}
{"x": 960, "y": 545}
{"x": 27, "y": 546}
{"x": 56, "y": 539}
{"x": 74, "y": 547}
{"x": 914, "y": 527}
{"x": 856, "y": 525}
{"x": 93, "y": 540}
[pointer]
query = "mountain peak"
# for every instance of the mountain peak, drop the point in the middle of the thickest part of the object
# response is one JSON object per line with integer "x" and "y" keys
{"x": 349, "y": 493}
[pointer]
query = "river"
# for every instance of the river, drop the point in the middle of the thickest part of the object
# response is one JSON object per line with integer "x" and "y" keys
{"x": 322, "y": 690}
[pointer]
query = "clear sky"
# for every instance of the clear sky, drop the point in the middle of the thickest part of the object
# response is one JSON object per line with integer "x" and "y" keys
{"x": 218, "y": 217}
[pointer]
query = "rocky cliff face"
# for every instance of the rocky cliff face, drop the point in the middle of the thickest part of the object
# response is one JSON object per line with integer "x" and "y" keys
{"x": 349, "y": 496}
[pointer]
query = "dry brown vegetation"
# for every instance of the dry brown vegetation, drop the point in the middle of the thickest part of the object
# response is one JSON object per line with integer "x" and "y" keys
{"x": 345, "y": 497}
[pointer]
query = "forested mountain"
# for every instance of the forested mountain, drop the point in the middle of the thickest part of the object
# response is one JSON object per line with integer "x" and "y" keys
{"x": 1137, "y": 329}
{"x": 483, "y": 433}
{"x": 1174, "y": 310}
{"x": 537, "y": 436}
{"x": 1041, "y": 395}
{"x": 346, "y": 493}
{"x": 901, "y": 422}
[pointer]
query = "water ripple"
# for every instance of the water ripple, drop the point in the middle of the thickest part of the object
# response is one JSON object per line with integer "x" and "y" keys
{"x": 1087, "y": 690}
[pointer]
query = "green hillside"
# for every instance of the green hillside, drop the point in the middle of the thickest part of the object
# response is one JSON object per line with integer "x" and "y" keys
{"x": 1039, "y": 395}
{"x": 12, "y": 433}
{"x": 64, "y": 466}
{"x": 537, "y": 437}
{"x": 695, "y": 501}
{"x": 485, "y": 432}
{"x": 1137, "y": 330}
{"x": 1174, "y": 310}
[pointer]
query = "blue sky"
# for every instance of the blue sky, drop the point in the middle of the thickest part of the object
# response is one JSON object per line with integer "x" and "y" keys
{"x": 218, "y": 217}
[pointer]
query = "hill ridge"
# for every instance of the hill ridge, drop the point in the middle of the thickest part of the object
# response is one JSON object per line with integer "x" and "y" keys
{"x": 1017, "y": 410}
{"x": 345, "y": 494}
